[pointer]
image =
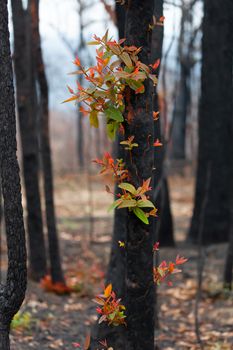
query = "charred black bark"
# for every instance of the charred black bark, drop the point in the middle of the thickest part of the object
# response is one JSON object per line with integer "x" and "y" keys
{"x": 139, "y": 289}
{"x": 120, "y": 18}
{"x": 29, "y": 141}
{"x": 215, "y": 116}
{"x": 54, "y": 254}
{"x": 130, "y": 270}
{"x": 13, "y": 292}
{"x": 4, "y": 337}
{"x": 229, "y": 260}
{"x": 228, "y": 271}
{"x": 163, "y": 225}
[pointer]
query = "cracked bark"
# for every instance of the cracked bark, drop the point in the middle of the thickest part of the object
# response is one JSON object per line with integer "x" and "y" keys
{"x": 139, "y": 289}
{"x": 13, "y": 292}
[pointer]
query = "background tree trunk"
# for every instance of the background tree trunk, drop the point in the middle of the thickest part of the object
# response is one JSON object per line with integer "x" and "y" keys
{"x": 162, "y": 225}
{"x": 13, "y": 292}
{"x": 54, "y": 254}
{"x": 29, "y": 141}
{"x": 215, "y": 116}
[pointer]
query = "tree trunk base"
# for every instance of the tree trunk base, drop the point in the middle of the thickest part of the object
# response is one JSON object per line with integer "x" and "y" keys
{"x": 4, "y": 337}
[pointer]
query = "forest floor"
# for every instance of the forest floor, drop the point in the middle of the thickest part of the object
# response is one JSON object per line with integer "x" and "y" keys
{"x": 56, "y": 322}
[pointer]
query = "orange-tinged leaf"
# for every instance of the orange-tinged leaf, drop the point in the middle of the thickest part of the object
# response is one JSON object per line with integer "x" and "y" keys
{"x": 73, "y": 98}
{"x": 58, "y": 287}
{"x": 87, "y": 342}
{"x": 153, "y": 212}
{"x": 108, "y": 290}
{"x": 84, "y": 111}
{"x": 157, "y": 143}
{"x": 155, "y": 115}
{"x": 77, "y": 62}
{"x": 98, "y": 301}
{"x": 140, "y": 90}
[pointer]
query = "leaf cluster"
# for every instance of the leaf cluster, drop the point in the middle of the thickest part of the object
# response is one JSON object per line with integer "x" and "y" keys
{"x": 135, "y": 200}
{"x": 110, "y": 309}
{"x": 117, "y": 67}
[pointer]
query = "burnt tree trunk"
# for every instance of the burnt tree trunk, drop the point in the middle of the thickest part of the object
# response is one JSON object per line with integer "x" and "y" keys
{"x": 229, "y": 52}
{"x": 180, "y": 113}
{"x": 80, "y": 129}
{"x": 29, "y": 141}
{"x": 139, "y": 285}
{"x": 13, "y": 292}
{"x": 182, "y": 100}
{"x": 163, "y": 225}
{"x": 229, "y": 259}
{"x": 54, "y": 254}
{"x": 215, "y": 116}
{"x": 130, "y": 270}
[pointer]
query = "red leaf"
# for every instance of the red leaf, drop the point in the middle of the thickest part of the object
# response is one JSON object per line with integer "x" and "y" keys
{"x": 157, "y": 143}
{"x": 70, "y": 90}
{"x": 156, "y": 246}
{"x": 77, "y": 62}
{"x": 155, "y": 64}
{"x": 180, "y": 260}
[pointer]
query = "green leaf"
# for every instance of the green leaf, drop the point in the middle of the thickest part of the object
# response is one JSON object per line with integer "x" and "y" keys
{"x": 134, "y": 84}
{"x": 114, "y": 114}
{"x": 115, "y": 204}
{"x": 141, "y": 215}
{"x": 128, "y": 187}
{"x": 115, "y": 64}
{"x": 153, "y": 78}
{"x": 128, "y": 203}
{"x": 129, "y": 69}
{"x": 145, "y": 204}
{"x": 112, "y": 128}
{"x": 126, "y": 59}
{"x": 105, "y": 37}
{"x": 94, "y": 121}
{"x": 112, "y": 315}
{"x": 107, "y": 54}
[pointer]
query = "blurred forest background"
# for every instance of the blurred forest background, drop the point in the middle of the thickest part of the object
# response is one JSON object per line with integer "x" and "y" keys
{"x": 69, "y": 231}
